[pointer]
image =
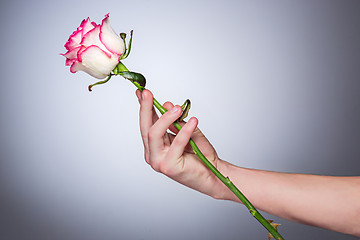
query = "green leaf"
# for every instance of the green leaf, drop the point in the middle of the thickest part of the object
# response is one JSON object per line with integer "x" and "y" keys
{"x": 186, "y": 108}
{"x": 134, "y": 77}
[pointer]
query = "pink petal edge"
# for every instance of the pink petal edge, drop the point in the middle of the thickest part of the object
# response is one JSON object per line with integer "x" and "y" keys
{"x": 93, "y": 31}
{"x": 86, "y": 26}
{"x": 71, "y": 56}
{"x": 73, "y": 40}
{"x": 84, "y": 50}
{"x": 106, "y": 21}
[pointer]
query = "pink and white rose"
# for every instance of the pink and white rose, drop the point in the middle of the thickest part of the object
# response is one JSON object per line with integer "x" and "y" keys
{"x": 94, "y": 48}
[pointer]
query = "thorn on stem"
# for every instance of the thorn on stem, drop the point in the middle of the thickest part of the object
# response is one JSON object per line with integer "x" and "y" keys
{"x": 275, "y": 225}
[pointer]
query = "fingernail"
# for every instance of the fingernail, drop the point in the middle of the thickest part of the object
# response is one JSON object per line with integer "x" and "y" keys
{"x": 174, "y": 109}
{"x": 191, "y": 121}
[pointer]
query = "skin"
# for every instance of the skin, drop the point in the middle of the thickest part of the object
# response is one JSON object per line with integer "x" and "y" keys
{"x": 303, "y": 198}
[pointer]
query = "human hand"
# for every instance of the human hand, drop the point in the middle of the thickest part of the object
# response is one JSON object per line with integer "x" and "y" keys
{"x": 171, "y": 154}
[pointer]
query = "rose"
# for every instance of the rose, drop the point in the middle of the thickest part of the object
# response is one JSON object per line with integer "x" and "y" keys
{"x": 97, "y": 50}
{"x": 94, "y": 48}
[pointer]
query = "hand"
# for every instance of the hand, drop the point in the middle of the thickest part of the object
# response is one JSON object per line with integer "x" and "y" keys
{"x": 171, "y": 154}
{"x": 280, "y": 194}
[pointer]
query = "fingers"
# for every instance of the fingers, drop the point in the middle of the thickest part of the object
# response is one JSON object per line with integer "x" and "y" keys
{"x": 182, "y": 139}
{"x": 168, "y": 106}
{"x": 158, "y": 151}
{"x": 146, "y": 117}
{"x": 138, "y": 94}
{"x": 152, "y": 128}
{"x": 157, "y": 131}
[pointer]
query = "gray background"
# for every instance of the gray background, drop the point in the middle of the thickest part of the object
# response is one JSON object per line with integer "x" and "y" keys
{"x": 275, "y": 85}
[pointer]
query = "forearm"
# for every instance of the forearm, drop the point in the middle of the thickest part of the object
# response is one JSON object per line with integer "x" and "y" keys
{"x": 324, "y": 201}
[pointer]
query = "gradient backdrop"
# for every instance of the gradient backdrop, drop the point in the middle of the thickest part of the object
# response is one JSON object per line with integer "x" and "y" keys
{"x": 275, "y": 85}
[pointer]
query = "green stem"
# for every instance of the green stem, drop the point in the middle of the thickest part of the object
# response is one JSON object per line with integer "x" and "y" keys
{"x": 256, "y": 214}
{"x": 101, "y": 82}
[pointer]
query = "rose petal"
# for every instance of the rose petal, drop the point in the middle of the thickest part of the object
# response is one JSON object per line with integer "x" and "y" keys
{"x": 95, "y": 62}
{"x": 71, "y": 56}
{"x": 82, "y": 48}
{"x": 110, "y": 39}
{"x": 72, "y": 53}
{"x": 92, "y": 38}
{"x": 74, "y": 40}
{"x": 76, "y": 37}
{"x": 86, "y": 26}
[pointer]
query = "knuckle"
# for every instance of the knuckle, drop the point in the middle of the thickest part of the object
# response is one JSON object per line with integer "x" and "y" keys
{"x": 197, "y": 131}
{"x": 163, "y": 168}
{"x": 155, "y": 166}
{"x": 168, "y": 105}
{"x": 151, "y": 134}
{"x": 154, "y": 162}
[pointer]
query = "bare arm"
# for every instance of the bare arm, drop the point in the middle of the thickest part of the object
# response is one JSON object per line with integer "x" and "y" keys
{"x": 323, "y": 201}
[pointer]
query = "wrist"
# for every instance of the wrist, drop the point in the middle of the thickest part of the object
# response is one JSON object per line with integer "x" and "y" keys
{"x": 223, "y": 192}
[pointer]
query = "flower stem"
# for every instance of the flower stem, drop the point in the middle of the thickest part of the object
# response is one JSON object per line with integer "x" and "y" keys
{"x": 254, "y": 212}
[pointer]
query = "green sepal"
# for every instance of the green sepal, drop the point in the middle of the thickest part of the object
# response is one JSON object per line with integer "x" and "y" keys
{"x": 100, "y": 82}
{"x": 127, "y": 51}
{"x": 116, "y": 70}
{"x": 134, "y": 77}
{"x": 185, "y": 108}
{"x": 123, "y": 36}
{"x": 120, "y": 68}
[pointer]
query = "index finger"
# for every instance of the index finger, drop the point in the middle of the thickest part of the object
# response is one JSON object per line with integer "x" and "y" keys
{"x": 147, "y": 116}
